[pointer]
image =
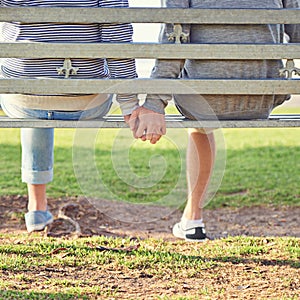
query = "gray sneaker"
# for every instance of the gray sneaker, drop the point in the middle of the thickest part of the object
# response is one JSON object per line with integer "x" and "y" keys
{"x": 193, "y": 234}
{"x": 37, "y": 220}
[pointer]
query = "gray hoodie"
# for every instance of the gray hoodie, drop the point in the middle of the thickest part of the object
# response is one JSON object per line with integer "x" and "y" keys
{"x": 224, "y": 106}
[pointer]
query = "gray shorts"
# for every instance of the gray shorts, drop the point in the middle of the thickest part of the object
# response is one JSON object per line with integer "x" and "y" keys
{"x": 194, "y": 107}
{"x": 227, "y": 107}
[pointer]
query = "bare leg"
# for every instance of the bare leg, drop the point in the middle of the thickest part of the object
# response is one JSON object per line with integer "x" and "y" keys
{"x": 37, "y": 164}
{"x": 37, "y": 217}
{"x": 37, "y": 199}
{"x": 200, "y": 162}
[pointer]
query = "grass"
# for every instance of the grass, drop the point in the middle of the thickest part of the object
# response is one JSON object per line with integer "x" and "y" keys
{"x": 262, "y": 166}
{"x": 77, "y": 270}
{"x": 38, "y": 268}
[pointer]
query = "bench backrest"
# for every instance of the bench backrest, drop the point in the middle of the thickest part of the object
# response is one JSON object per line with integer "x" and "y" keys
{"x": 290, "y": 52}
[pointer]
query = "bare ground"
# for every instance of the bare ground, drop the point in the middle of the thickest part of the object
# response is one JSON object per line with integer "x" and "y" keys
{"x": 221, "y": 222}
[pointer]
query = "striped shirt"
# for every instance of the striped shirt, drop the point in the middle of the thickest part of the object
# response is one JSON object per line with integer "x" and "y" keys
{"x": 70, "y": 33}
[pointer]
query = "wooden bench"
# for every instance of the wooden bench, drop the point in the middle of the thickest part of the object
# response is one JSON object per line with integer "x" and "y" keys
{"x": 288, "y": 52}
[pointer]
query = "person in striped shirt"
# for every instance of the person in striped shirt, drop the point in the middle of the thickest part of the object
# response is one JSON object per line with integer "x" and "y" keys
{"x": 37, "y": 143}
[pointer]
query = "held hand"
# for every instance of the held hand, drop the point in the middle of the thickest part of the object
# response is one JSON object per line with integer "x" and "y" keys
{"x": 132, "y": 121}
{"x": 150, "y": 126}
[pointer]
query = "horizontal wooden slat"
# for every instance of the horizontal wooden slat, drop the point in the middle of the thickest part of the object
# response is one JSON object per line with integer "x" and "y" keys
{"x": 144, "y": 86}
{"x": 149, "y": 15}
{"x": 171, "y": 122}
{"x": 146, "y": 50}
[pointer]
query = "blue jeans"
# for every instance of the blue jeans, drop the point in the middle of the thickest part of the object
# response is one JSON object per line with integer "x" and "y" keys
{"x": 38, "y": 143}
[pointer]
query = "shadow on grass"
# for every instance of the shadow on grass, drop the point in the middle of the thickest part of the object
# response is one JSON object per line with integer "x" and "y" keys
{"x": 9, "y": 294}
{"x": 177, "y": 257}
{"x": 234, "y": 260}
{"x": 263, "y": 262}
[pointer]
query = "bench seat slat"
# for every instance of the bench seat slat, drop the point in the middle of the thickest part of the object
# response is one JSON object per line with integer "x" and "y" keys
{"x": 279, "y": 121}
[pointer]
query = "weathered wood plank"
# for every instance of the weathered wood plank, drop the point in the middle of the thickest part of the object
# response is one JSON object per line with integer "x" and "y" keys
{"x": 149, "y": 15}
{"x": 151, "y": 51}
{"x": 154, "y": 86}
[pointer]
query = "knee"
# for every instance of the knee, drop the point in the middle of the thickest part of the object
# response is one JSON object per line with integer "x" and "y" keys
{"x": 205, "y": 131}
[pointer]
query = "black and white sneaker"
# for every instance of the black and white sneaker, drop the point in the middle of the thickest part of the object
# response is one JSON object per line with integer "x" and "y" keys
{"x": 192, "y": 234}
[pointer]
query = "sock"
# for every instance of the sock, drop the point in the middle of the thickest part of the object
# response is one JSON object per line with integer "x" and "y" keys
{"x": 186, "y": 224}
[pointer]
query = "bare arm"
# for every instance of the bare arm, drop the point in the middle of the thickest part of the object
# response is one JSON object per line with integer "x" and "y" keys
{"x": 151, "y": 122}
{"x": 120, "y": 68}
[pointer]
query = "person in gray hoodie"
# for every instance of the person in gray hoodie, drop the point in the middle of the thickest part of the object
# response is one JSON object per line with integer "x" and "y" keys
{"x": 150, "y": 124}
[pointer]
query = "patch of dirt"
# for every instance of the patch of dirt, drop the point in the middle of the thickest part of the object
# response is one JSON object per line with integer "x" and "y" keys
{"x": 77, "y": 216}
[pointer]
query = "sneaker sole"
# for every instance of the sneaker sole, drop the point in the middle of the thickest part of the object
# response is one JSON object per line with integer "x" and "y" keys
{"x": 191, "y": 240}
{"x": 183, "y": 237}
{"x": 39, "y": 227}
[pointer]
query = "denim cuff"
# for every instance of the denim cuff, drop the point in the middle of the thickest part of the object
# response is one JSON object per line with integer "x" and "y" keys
{"x": 37, "y": 177}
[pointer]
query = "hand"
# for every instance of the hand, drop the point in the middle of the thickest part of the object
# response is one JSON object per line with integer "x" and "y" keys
{"x": 132, "y": 120}
{"x": 149, "y": 125}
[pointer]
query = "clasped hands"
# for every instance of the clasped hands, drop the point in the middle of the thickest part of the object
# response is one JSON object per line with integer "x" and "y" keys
{"x": 146, "y": 124}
